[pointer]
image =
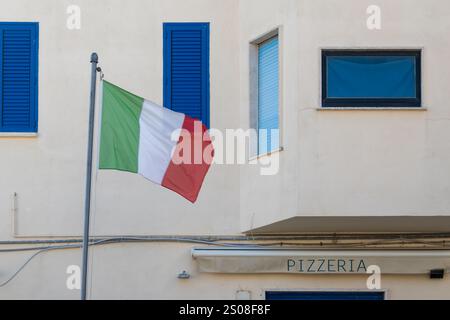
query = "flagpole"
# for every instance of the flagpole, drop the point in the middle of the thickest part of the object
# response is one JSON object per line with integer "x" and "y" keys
{"x": 87, "y": 203}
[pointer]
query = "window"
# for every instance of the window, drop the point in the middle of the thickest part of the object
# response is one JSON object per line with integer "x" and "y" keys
{"x": 186, "y": 69}
{"x": 371, "y": 78}
{"x": 268, "y": 96}
{"x": 18, "y": 76}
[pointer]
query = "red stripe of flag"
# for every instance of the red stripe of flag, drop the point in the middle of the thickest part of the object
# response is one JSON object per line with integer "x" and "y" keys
{"x": 186, "y": 178}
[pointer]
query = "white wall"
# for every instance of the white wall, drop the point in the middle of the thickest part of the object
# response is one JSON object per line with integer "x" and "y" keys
{"x": 333, "y": 163}
{"x": 48, "y": 171}
{"x": 350, "y": 163}
{"x": 149, "y": 271}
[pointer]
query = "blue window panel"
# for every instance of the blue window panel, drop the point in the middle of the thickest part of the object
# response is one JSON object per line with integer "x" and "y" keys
{"x": 324, "y": 295}
{"x": 371, "y": 78}
{"x": 18, "y": 76}
{"x": 268, "y": 96}
{"x": 186, "y": 69}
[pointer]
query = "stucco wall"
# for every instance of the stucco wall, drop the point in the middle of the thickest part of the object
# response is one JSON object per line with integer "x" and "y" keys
{"x": 48, "y": 171}
{"x": 150, "y": 271}
{"x": 350, "y": 163}
{"x": 333, "y": 162}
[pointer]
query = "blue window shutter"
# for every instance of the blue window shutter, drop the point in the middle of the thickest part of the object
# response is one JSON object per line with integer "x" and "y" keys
{"x": 268, "y": 95}
{"x": 186, "y": 69}
{"x": 18, "y": 76}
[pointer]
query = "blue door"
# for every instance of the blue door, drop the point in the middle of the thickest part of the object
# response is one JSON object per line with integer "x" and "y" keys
{"x": 324, "y": 295}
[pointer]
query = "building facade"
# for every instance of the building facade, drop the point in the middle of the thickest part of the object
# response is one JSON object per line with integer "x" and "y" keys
{"x": 362, "y": 168}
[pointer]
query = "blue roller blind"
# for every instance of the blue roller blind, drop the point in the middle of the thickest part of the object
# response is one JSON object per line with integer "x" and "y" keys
{"x": 186, "y": 69}
{"x": 371, "y": 77}
{"x": 18, "y": 76}
{"x": 268, "y": 96}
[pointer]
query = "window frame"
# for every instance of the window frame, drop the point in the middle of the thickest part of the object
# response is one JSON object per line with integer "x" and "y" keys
{"x": 32, "y": 129}
{"x": 253, "y": 94}
{"x": 372, "y": 102}
{"x": 258, "y": 95}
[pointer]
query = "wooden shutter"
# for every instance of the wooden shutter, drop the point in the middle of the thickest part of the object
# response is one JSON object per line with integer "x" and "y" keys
{"x": 186, "y": 69}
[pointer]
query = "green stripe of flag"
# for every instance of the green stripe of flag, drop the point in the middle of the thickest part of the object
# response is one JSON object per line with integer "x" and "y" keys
{"x": 119, "y": 141}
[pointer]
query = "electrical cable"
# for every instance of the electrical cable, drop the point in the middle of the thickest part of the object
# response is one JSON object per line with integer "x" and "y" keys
{"x": 95, "y": 242}
{"x": 26, "y": 262}
{"x": 131, "y": 239}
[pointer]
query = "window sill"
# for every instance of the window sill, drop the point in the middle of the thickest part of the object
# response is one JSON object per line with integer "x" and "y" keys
{"x": 18, "y": 134}
{"x": 373, "y": 108}
{"x": 253, "y": 158}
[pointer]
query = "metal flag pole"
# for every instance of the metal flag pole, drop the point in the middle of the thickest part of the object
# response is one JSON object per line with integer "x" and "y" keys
{"x": 87, "y": 203}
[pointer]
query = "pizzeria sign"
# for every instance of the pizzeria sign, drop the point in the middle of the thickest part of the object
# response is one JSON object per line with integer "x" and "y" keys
{"x": 254, "y": 260}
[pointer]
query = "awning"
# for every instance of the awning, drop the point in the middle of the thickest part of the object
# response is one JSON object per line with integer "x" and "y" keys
{"x": 255, "y": 260}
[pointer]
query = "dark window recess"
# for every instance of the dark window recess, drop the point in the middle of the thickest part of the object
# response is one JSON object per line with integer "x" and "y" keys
{"x": 324, "y": 295}
{"x": 371, "y": 78}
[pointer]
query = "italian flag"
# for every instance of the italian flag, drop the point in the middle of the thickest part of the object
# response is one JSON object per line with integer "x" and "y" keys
{"x": 164, "y": 146}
